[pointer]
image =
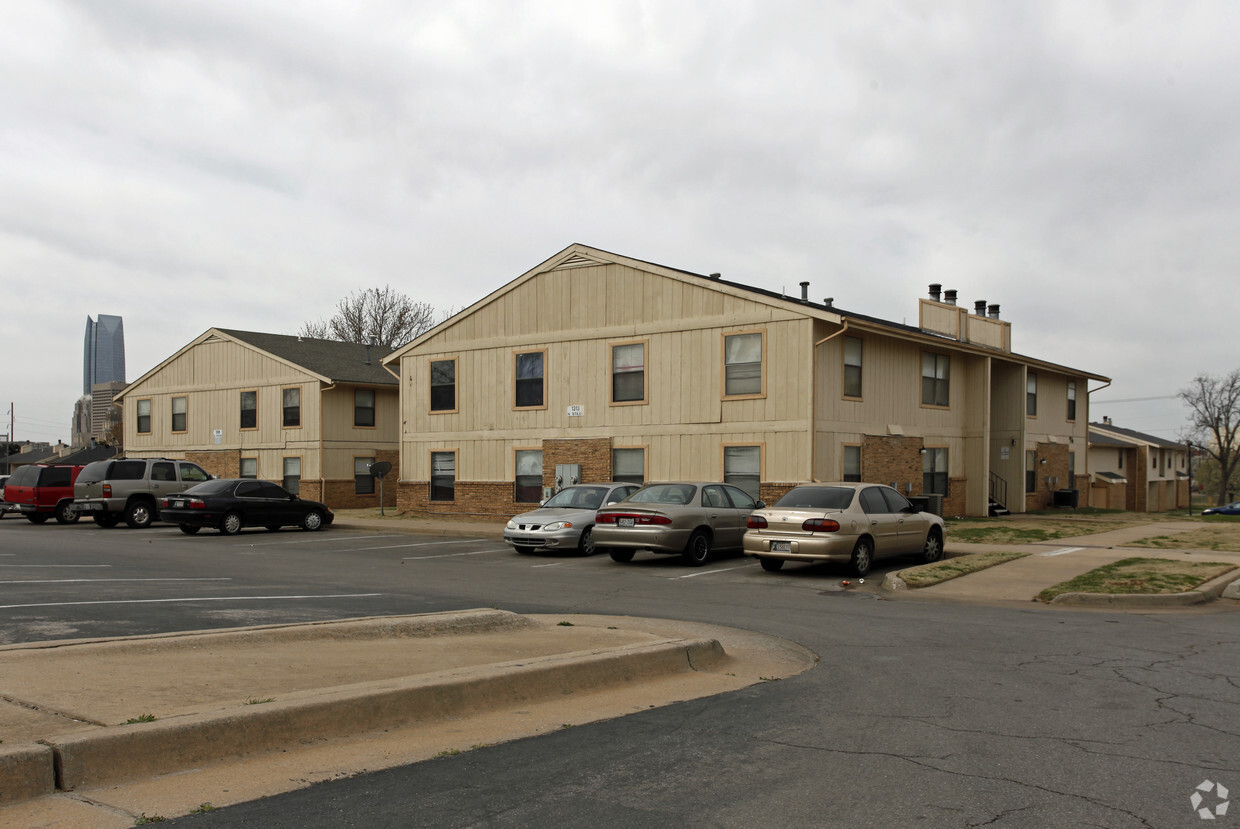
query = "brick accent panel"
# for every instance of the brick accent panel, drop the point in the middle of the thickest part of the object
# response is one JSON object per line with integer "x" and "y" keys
{"x": 344, "y": 495}
{"x": 310, "y": 490}
{"x": 886, "y": 458}
{"x": 224, "y": 463}
{"x": 772, "y": 492}
{"x": 1138, "y": 480}
{"x": 1056, "y": 466}
{"x": 954, "y": 501}
{"x": 594, "y": 455}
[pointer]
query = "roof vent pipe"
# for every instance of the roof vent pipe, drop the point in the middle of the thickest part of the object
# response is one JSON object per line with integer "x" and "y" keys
{"x": 829, "y": 301}
{"x": 935, "y": 289}
{"x": 993, "y": 310}
{"x": 805, "y": 292}
{"x": 949, "y": 296}
{"x": 715, "y": 275}
{"x": 979, "y": 307}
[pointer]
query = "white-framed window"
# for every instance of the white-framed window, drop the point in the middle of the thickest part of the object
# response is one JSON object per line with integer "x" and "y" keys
{"x": 742, "y": 365}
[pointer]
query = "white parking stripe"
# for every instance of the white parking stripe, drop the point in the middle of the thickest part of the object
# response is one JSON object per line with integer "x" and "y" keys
{"x": 78, "y": 581}
{"x": 196, "y": 599}
{"x": 318, "y": 539}
{"x": 711, "y": 572}
{"x": 418, "y": 544}
{"x": 552, "y": 564}
{"x": 455, "y": 555}
{"x": 1062, "y": 552}
{"x": 53, "y": 566}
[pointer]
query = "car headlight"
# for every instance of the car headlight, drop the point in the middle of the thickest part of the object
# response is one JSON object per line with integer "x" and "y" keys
{"x": 558, "y": 525}
{"x": 512, "y": 525}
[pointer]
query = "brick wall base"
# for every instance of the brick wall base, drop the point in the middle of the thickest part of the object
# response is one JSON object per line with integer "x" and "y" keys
{"x": 223, "y": 463}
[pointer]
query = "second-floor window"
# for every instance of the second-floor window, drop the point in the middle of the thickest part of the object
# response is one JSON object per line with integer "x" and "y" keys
{"x": 742, "y": 364}
{"x": 1071, "y": 400}
{"x": 628, "y": 373}
{"x": 363, "y": 407}
{"x": 249, "y": 410}
{"x": 443, "y": 385}
{"x": 180, "y": 414}
{"x": 144, "y": 417}
{"x": 1031, "y": 394}
{"x": 935, "y": 379}
{"x": 529, "y": 369}
{"x": 852, "y": 367}
{"x": 292, "y": 408}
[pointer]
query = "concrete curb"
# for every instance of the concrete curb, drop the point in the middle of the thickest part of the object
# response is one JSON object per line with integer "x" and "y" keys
{"x": 1202, "y": 594}
{"x": 26, "y": 772}
{"x": 892, "y": 581}
{"x": 128, "y": 752}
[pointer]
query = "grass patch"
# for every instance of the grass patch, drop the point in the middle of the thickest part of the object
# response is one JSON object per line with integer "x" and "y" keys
{"x": 925, "y": 575}
{"x": 1048, "y": 527}
{"x": 140, "y": 718}
{"x": 1212, "y": 536}
{"x": 1141, "y": 576}
{"x": 257, "y": 701}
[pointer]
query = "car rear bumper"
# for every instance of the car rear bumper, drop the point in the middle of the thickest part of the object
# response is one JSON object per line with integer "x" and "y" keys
{"x": 192, "y": 517}
{"x": 88, "y": 506}
{"x": 801, "y": 548}
{"x": 655, "y": 539}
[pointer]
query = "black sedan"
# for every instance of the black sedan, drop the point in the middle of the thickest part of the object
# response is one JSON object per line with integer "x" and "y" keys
{"x": 228, "y": 504}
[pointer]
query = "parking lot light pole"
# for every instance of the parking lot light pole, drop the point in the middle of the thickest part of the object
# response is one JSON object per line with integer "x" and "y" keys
{"x": 1189, "y": 443}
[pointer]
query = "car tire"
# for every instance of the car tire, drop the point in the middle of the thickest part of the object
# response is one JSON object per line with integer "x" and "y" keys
{"x": 771, "y": 565}
{"x": 231, "y": 523}
{"x": 862, "y": 557}
{"x": 64, "y": 515}
{"x": 697, "y": 551}
{"x": 36, "y": 518}
{"x": 188, "y": 529}
{"x": 586, "y": 545}
{"x": 312, "y": 521}
{"x": 620, "y": 555}
{"x": 139, "y": 515}
{"x": 933, "y": 551}
{"x": 107, "y": 520}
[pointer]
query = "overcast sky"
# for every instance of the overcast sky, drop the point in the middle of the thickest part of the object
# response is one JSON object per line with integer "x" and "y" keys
{"x": 247, "y": 164}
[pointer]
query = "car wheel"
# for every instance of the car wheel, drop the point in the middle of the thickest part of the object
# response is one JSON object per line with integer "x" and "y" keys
{"x": 64, "y": 515}
{"x": 771, "y": 565}
{"x": 188, "y": 529}
{"x": 139, "y": 515}
{"x": 312, "y": 521}
{"x": 231, "y": 523}
{"x": 697, "y": 551}
{"x": 933, "y": 550}
{"x": 586, "y": 545}
{"x": 862, "y": 557}
{"x": 107, "y": 520}
{"x": 620, "y": 555}
{"x": 36, "y": 518}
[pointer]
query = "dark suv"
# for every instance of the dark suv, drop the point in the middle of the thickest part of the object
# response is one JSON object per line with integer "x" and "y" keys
{"x": 114, "y": 489}
{"x": 39, "y": 491}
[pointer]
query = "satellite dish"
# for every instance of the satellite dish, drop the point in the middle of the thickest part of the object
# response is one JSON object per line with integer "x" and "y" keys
{"x": 379, "y": 469}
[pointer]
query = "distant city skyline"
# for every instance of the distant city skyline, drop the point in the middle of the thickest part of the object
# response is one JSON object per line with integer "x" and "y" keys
{"x": 103, "y": 358}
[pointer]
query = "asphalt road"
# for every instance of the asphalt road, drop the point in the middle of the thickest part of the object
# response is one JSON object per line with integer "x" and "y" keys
{"x": 919, "y": 713}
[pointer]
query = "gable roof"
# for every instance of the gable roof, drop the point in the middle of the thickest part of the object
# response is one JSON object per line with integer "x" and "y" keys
{"x": 578, "y": 255}
{"x": 330, "y": 361}
{"x": 1127, "y": 437}
{"x": 98, "y": 452}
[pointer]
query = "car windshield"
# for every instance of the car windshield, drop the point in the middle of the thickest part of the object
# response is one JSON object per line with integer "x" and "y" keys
{"x": 95, "y": 471}
{"x": 663, "y": 494}
{"x": 578, "y": 497}
{"x": 211, "y": 487}
{"x": 817, "y": 497}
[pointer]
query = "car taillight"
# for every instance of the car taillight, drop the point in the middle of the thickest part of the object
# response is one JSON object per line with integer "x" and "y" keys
{"x": 756, "y": 522}
{"x": 821, "y": 525}
{"x": 614, "y": 518}
{"x": 107, "y": 490}
{"x": 605, "y": 518}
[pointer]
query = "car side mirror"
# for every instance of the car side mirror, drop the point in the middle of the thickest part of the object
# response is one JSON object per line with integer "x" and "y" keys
{"x": 761, "y": 505}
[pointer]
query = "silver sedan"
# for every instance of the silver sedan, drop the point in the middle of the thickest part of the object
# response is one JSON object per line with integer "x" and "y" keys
{"x": 690, "y": 518}
{"x": 844, "y": 522}
{"x": 565, "y": 520}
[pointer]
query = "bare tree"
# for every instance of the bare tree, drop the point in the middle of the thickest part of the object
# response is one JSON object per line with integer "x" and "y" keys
{"x": 1215, "y": 405}
{"x": 389, "y": 317}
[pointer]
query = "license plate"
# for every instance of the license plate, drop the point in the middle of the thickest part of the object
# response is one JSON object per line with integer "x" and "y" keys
{"x": 625, "y": 522}
{"x": 781, "y": 546}
{"x": 178, "y": 504}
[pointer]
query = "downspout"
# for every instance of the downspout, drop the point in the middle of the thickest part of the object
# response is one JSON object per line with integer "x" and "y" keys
{"x": 322, "y": 445}
{"x": 813, "y": 406}
{"x": 1089, "y": 405}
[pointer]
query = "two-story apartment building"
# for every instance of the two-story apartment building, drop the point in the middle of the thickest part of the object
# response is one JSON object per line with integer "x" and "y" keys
{"x": 310, "y": 414}
{"x": 1134, "y": 471}
{"x": 606, "y": 367}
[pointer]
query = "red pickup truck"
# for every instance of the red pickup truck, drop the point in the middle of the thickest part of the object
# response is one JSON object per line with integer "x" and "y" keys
{"x": 40, "y": 491}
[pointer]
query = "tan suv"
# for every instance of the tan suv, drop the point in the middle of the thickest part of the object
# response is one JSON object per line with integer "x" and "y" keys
{"x": 131, "y": 488}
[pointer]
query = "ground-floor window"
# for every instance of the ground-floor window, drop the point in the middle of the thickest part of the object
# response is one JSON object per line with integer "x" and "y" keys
{"x": 852, "y": 463}
{"x": 249, "y": 467}
{"x": 292, "y": 475}
{"x": 363, "y": 481}
{"x": 628, "y": 466}
{"x": 1031, "y": 471}
{"x": 443, "y": 476}
{"x": 742, "y": 467}
{"x": 528, "y": 485}
{"x": 934, "y": 471}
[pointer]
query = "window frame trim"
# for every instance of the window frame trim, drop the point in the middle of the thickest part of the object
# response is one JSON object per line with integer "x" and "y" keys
{"x": 921, "y": 377}
{"x": 374, "y": 408}
{"x": 456, "y": 386}
{"x": 546, "y": 391}
{"x": 284, "y": 474}
{"x": 1031, "y": 375}
{"x": 172, "y": 401}
{"x": 947, "y": 474}
{"x": 255, "y": 427}
{"x": 748, "y": 444}
{"x": 723, "y": 364}
{"x": 150, "y": 417}
{"x": 430, "y": 473}
{"x": 374, "y": 486}
{"x": 300, "y": 406}
{"x": 513, "y": 457}
{"x": 860, "y": 461}
{"x": 844, "y": 369}
{"x": 611, "y": 373}
{"x": 645, "y": 447}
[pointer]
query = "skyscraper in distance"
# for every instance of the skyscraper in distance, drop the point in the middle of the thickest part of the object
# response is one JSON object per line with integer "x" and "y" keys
{"x": 104, "y": 352}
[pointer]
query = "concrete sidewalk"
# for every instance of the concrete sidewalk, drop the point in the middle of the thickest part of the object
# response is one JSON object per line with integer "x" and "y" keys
{"x": 101, "y": 732}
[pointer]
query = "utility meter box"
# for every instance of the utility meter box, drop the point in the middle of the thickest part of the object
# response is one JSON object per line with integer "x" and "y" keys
{"x": 567, "y": 474}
